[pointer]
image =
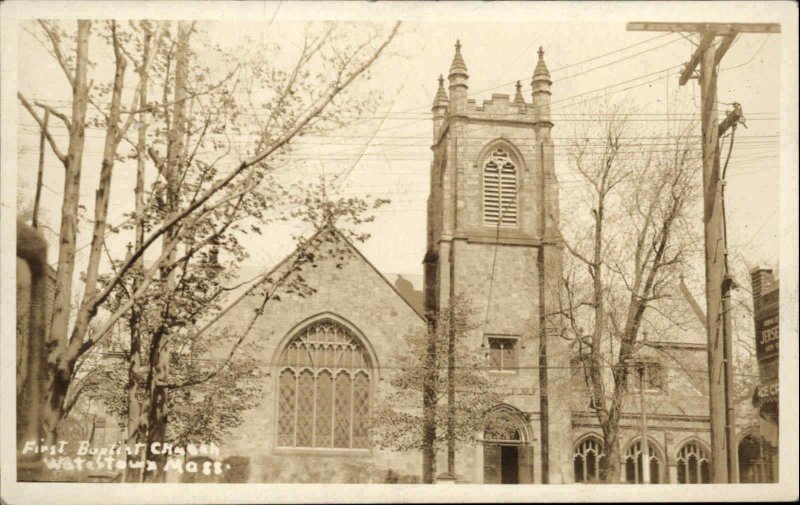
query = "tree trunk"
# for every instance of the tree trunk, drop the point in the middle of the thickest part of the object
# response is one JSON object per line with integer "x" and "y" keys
{"x": 136, "y": 421}
{"x": 32, "y": 248}
{"x": 40, "y": 175}
{"x": 610, "y": 464}
{"x": 429, "y": 409}
{"x": 59, "y": 369}
{"x": 157, "y": 413}
{"x": 451, "y": 395}
{"x": 159, "y": 354}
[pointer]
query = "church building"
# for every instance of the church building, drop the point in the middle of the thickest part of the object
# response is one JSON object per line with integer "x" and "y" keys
{"x": 492, "y": 236}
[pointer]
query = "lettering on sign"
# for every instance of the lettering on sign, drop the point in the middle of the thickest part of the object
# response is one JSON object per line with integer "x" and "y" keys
{"x": 768, "y": 392}
{"x": 60, "y": 457}
{"x": 767, "y": 336}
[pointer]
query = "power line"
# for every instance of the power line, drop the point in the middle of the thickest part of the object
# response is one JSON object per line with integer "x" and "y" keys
{"x": 489, "y": 368}
{"x": 619, "y": 61}
{"x": 766, "y": 38}
{"x": 614, "y": 85}
{"x": 570, "y": 66}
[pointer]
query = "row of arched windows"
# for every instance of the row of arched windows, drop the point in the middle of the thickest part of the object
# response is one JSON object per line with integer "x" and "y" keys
{"x": 694, "y": 465}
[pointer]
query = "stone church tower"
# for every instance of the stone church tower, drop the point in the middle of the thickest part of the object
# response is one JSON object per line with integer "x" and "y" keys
{"x": 493, "y": 238}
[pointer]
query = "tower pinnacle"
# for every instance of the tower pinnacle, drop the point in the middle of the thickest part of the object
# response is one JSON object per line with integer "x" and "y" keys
{"x": 541, "y": 72}
{"x": 458, "y": 82}
{"x": 458, "y": 67}
{"x": 441, "y": 99}
{"x": 518, "y": 96}
{"x": 439, "y": 109}
{"x": 541, "y": 88}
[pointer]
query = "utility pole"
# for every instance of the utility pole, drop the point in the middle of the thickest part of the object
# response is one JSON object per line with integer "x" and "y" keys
{"x": 644, "y": 446}
{"x": 708, "y": 57}
{"x": 728, "y": 284}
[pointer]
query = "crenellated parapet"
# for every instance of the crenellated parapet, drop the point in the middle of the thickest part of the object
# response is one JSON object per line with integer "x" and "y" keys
{"x": 500, "y": 107}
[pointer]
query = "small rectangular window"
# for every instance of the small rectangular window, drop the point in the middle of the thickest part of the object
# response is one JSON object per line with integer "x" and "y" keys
{"x": 654, "y": 377}
{"x": 503, "y": 353}
{"x": 579, "y": 373}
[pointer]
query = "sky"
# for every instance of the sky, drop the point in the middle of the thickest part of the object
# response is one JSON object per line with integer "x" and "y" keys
{"x": 590, "y": 54}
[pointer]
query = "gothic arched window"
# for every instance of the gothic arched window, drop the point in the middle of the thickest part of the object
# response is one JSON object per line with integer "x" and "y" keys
{"x": 499, "y": 189}
{"x": 694, "y": 466}
{"x": 633, "y": 463}
{"x": 586, "y": 459}
{"x": 324, "y": 389}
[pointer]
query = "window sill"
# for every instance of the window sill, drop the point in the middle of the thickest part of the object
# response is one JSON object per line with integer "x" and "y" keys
{"x": 514, "y": 371}
{"x": 320, "y": 451}
{"x": 650, "y": 391}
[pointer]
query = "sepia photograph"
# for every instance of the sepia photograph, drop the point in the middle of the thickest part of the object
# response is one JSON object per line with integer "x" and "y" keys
{"x": 298, "y": 252}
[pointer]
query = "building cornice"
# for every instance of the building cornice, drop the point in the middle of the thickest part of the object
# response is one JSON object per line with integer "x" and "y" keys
{"x": 689, "y": 346}
{"x": 586, "y": 416}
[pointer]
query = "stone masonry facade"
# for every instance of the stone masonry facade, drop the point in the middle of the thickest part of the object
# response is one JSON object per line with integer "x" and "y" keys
{"x": 509, "y": 266}
{"x": 352, "y": 294}
{"x": 492, "y": 237}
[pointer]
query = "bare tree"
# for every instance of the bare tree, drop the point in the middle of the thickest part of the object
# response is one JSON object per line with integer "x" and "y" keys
{"x": 627, "y": 257}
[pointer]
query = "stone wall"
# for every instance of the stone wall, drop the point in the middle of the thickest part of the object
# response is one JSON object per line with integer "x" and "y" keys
{"x": 351, "y": 292}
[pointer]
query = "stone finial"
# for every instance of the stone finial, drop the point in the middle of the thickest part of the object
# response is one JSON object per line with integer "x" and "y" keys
{"x": 441, "y": 99}
{"x": 541, "y": 72}
{"x": 518, "y": 96}
{"x": 458, "y": 67}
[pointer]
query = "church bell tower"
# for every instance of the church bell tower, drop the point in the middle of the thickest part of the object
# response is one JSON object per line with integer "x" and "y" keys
{"x": 493, "y": 217}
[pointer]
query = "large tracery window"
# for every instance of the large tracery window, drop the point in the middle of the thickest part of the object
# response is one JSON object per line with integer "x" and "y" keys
{"x": 499, "y": 189}
{"x": 586, "y": 460}
{"x": 694, "y": 466}
{"x": 324, "y": 390}
{"x": 633, "y": 464}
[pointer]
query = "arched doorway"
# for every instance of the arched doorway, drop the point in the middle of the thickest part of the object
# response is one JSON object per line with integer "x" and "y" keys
{"x": 755, "y": 460}
{"x": 507, "y": 453}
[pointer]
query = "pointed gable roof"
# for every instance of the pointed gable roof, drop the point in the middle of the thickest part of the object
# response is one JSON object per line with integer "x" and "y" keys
{"x": 322, "y": 235}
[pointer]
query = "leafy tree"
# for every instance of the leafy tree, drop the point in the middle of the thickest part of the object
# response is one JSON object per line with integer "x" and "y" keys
{"x": 205, "y": 189}
{"x": 420, "y": 373}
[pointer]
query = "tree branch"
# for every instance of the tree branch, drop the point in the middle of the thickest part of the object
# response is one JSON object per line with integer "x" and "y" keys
{"x": 44, "y": 129}
{"x": 55, "y": 42}
{"x": 200, "y": 202}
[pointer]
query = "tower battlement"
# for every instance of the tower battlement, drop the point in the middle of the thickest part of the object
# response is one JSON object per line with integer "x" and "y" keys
{"x": 500, "y": 107}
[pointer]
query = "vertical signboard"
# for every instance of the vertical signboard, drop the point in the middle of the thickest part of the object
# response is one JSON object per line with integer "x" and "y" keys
{"x": 767, "y": 329}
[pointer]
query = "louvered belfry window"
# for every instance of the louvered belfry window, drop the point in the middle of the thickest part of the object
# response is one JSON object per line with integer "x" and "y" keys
{"x": 499, "y": 189}
{"x": 324, "y": 390}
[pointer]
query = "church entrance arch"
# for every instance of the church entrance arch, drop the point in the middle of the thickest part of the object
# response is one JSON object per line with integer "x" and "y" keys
{"x": 507, "y": 452}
